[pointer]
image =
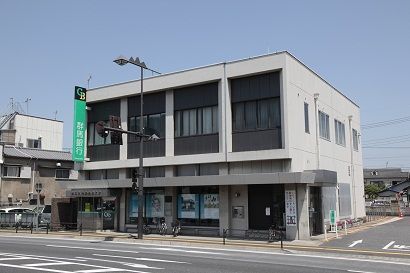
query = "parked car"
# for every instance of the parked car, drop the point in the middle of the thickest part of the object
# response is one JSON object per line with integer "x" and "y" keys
{"x": 17, "y": 211}
{"x": 380, "y": 203}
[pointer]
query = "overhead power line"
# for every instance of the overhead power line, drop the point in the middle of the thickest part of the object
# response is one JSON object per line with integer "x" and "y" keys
{"x": 385, "y": 123}
{"x": 385, "y": 147}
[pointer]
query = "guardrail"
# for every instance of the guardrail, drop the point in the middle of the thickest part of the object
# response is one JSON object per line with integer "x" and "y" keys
{"x": 270, "y": 235}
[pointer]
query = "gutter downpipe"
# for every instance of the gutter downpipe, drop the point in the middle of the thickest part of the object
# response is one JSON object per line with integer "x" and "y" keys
{"x": 352, "y": 167}
{"x": 316, "y": 97}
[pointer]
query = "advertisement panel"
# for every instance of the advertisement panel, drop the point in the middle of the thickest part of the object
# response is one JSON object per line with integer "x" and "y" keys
{"x": 209, "y": 206}
{"x": 79, "y": 124}
{"x": 188, "y": 206}
{"x": 155, "y": 205}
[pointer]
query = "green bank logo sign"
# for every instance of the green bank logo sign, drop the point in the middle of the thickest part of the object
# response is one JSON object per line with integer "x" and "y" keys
{"x": 79, "y": 124}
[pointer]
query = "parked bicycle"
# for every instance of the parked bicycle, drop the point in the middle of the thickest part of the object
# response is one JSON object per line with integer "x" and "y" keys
{"x": 176, "y": 228}
{"x": 162, "y": 229}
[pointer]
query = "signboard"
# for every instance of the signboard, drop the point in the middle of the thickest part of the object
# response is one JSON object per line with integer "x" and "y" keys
{"x": 290, "y": 207}
{"x": 332, "y": 217}
{"x": 188, "y": 206}
{"x": 79, "y": 124}
{"x": 210, "y": 206}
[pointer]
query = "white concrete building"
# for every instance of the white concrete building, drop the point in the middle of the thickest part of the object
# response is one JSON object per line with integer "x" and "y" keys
{"x": 244, "y": 145}
{"x": 31, "y": 132}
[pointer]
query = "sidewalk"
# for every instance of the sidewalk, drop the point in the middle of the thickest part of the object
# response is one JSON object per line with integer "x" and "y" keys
{"x": 314, "y": 243}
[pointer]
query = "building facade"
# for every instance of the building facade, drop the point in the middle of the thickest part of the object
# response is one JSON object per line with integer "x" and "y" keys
{"x": 386, "y": 177}
{"x": 243, "y": 145}
{"x": 31, "y": 132}
{"x": 22, "y": 168}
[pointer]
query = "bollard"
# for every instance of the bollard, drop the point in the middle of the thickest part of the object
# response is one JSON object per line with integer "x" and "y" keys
{"x": 345, "y": 227}
{"x": 81, "y": 229}
{"x": 325, "y": 232}
{"x": 281, "y": 239}
{"x": 31, "y": 228}
{"x": 224, "y": 235}
{"x": 48, "y": 227}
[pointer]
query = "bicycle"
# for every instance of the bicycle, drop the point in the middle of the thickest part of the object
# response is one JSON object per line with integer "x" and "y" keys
{"x": 176, "y": 228}
{"x": 162, "y": 229}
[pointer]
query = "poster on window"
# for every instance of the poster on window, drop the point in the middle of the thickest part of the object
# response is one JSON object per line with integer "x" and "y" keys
{"x": 290, "y": 207}
{"x": 188, "y": 206}
{"x": 155, "y": 205}
{"x": 133, "y": 208}
{"x": 210, "y": 206}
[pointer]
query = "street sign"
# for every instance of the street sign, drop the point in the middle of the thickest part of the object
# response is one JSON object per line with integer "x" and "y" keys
{"x": 79, "y": 124}
{"x": 39, "y": 187}
{"x": 332, "y": 217}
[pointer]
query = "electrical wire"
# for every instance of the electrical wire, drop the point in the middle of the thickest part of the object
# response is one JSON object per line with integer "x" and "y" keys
{"x": 385, "y": 123}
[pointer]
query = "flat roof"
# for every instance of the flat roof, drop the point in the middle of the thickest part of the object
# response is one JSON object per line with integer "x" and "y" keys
{"x": 230, "y": 62}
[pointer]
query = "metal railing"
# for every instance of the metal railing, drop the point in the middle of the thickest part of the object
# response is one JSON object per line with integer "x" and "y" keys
{"x": 271, "y": 235}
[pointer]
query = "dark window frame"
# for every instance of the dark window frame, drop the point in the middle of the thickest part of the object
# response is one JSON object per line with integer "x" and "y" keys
{"x": 271, "y": 119}
{"x": 306, "y": 115}
{"x": 146, "y": 118}
{"x": 199, "y": 124}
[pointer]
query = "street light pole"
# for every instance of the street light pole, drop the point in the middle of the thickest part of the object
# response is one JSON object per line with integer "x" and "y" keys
{"x": 141, "y": 162}
{"x": 123, "y": 61}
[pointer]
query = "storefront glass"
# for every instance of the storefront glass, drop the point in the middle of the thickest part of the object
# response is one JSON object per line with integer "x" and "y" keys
{"x": 198, "y": 206}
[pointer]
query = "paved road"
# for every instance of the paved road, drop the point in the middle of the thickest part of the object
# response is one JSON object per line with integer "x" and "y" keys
{"x": 391, "y": 237}
{"x": 28, "y": 254}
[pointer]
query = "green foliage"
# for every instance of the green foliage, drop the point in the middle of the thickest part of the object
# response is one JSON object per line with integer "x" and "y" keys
{"x": 372, "y": 190}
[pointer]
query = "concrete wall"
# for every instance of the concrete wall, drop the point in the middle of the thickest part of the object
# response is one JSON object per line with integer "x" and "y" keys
{"x": 50, "y": 131}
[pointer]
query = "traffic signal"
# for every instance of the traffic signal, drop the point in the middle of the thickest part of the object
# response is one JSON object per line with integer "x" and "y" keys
{"x": 116, "y": 137}
{"x": 135, "y": 175}
{"x": 100, "y": 128}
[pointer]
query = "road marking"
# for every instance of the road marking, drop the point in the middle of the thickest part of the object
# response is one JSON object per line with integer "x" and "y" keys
{"x": 181, "y": 250}
{"x": 141, "y": 259}
{"x": 14, "y": 258}
{"x": 94, "y": 248}
{"x": 356, "y": 242}
{"x": 123, "y": 263}
{"x": 34, "y": 268}
{"x": 388, "y": 245}
{"x": 100, "y": 270}
{"x": 47, "y": 264}
{"x": 357, "y": 271}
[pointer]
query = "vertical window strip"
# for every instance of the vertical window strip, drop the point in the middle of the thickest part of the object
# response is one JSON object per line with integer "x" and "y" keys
{"x": 306, "y": 111}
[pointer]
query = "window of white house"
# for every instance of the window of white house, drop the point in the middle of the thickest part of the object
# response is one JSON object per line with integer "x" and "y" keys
{"x": 198, "y": 121}
{"x": 324, "y": 130}
{"x": 355, "y": 140}
{"x": 34, "y": 143}
{"x": 306, "y": 108}
{"x": 62, "y": 173}
{"x": 340, "y": 135}
{"x": 11, "y": 171}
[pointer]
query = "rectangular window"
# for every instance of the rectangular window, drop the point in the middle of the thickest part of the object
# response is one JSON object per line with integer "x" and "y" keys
{"x": 256, "y": 115}
{"x": 198, "y": 121}
{"x": 153, "y": 124}
{"x": 62, "y": 173}
{"x": 11, "y": 171}
{"x": 324, "y": 131}
{"x": 306, "y": 108}
{"x": 34, "y": 143}
{"x": 355, "y": 140}
{"x": 90, "y": 134}
{"x": 340, "y": 136}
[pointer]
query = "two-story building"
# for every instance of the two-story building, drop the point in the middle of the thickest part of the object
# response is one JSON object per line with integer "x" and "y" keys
{"x": 243, "y": 145}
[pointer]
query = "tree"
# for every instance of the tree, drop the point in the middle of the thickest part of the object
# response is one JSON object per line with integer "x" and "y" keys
{"x": 372, "y": 190}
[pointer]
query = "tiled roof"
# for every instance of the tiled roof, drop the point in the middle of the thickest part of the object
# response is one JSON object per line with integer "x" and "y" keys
{"x": 14, "y": 151}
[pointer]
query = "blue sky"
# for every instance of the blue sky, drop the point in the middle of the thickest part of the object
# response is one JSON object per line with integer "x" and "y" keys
{"x": 361, "y": 47}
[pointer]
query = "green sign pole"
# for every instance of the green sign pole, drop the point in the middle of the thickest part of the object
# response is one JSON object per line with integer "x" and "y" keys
{"x": 332, "y": 217}
{"x": 79, "y": 124}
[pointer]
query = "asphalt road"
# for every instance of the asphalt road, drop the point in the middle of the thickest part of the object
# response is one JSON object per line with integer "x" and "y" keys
{"x": 391, "y": 237}
{"x": 28, "y": 254}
